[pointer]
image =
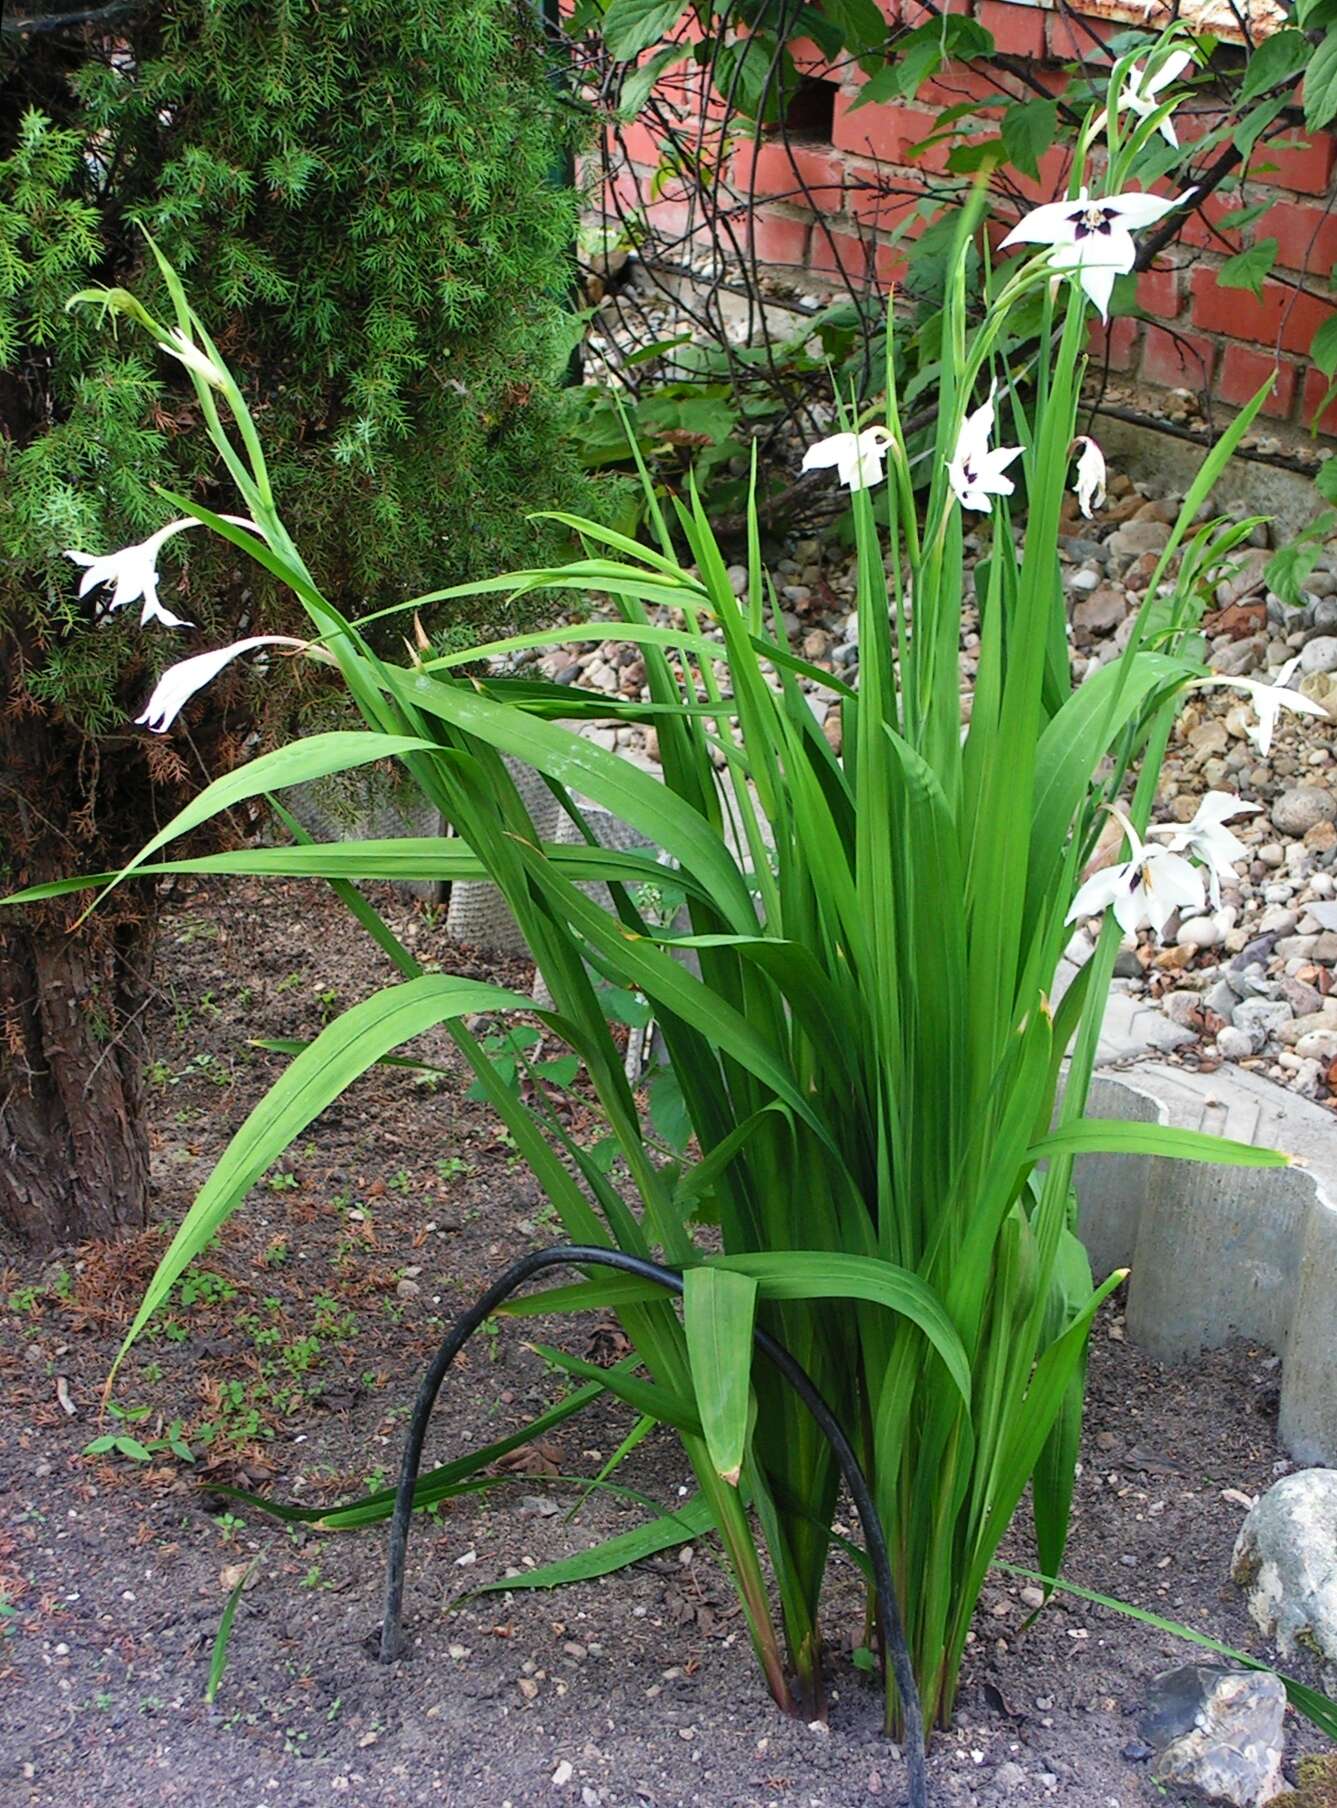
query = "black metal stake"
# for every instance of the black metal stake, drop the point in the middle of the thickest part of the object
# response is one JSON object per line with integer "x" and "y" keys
{"x": 580, "y": 1256}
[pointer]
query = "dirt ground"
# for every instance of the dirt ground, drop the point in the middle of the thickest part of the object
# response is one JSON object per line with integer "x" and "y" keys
{"x": 285, "y": 1363}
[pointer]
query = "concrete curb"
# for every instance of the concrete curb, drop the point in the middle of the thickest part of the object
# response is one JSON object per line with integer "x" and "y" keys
{"x": 1218, "y": 1252}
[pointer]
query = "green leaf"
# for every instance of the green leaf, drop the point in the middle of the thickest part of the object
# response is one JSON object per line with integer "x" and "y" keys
{"x": 718, "y": 1311}
{"x": 635, "y": 92}
{"x": 1323, "y": 351}
{"x": 437, "y": 1484}
{"x": 689, "y": 1521}
{"x": 1028, "y": 132}
{"x": 223, "y": 1637}
{"x": 1247, "y": 269}
{"x": 832, "y": 1274}
{"x": 654, "y": 1400}
{"x": 631, "y": 26}
{"x": 669, "y": 1115}
{"x": 316, "y": 1077}
{"x": 316, "y": 756}
{"x": 1320, "y": 1709}
{"x": 1275, "y": 60}
{"x": 1321, "y": 83}
{"x": 1110, "y": 1136}
{"x": 860, "y": 24}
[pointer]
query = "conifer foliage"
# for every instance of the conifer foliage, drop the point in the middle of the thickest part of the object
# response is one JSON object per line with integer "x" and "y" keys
{"x": 360, "y": 194}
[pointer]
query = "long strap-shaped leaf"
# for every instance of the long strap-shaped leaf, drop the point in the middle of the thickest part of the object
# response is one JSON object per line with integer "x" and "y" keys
{"x": 316, "y": 1077}
{"x": 317, "y": 756}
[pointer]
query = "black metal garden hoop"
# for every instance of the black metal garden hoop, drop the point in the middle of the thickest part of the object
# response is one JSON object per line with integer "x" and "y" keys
{"x": 581, "y": 1256}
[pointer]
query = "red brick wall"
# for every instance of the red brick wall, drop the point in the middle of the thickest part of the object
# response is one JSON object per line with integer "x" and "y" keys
{"x": 829, "y": 209}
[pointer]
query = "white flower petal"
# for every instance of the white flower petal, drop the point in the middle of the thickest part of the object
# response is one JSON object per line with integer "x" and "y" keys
{"x": 1170, "y": 71}
{"x": 179, "y": 683}
{"x": 1098, "y": 285}
{"x": 1051, "y": 224}
{"x": 1102, "y": 889}
{"x": 1137, "y": 211}
{"x": 176, "y": 345}
{"x": 1089, "y": 488}
{"x": 828, "y": 452}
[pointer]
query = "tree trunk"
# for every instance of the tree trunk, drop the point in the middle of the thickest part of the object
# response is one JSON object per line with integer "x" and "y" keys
{"x": 74, "y": 1159}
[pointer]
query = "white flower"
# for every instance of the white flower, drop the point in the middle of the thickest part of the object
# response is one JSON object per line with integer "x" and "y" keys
{"x": 1093, "y": 238}
{"x": 1269, "y": 700}
{"x": 1147, "y": 888}
{"x": 1208, "y": 839}
{"x": 180, "y": 682}
{"x": 134, "y": 571}
{"x": 859, "y": 458}
{"x": 177, "y": 345}
{"x": 1142, "y": 94}
{"x": 975, "y": 471}
{"x": 1089, "y": 488}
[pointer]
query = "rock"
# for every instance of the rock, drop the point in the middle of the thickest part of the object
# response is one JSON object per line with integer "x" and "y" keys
{"x": 1218, "y": 1732}
{"x": 1202, "y": 932}
{"x": 1138, "y": 536}
{"x": 1303, "y": 999}
{"x": 1104, "y": 609}
{"x": 1259, "y": 1017}
{"x": 1239, "y": 657}
{"x": 1183, "y": 1008}
{"x": 1233, "y": 1044}
{"x": 1297, "y": 811}
{"x": 737, "y": 576}
{"x": 1318, "y": 1045}
{"x": 1284, "y": 1558}
{"x": 1319, "y": 654}
{"x": 1247, "y": 579}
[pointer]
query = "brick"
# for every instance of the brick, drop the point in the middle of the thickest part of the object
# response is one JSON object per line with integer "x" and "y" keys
{"x": 809, "y": 58}
{"x": 1316, "y": 387}
{"x": 883, "y": 207}
{"x": 1052, "y": 184}
{"x": 1201, "y": 227}
{"x": 790, "y": 172}
{"x": 886, "y": 133}
{"x": 1119, "y": 340}
{"x": 842, "y": 255}
{"x": 1307, "y": 170}
{"x": 1080, "y": 40}
{"x": 1306, "y": 237}
{"x": 956, "y": 83}
{"x": 1243, "y": 373}
{"x": 1159, "y": 292}
{"x": 1017, "y": 30}
{"x": 1281, "y": 316}
{"x": 1177, "y": 360}
{"x": 776, "y": 239}
{"x": 640, "y": 144}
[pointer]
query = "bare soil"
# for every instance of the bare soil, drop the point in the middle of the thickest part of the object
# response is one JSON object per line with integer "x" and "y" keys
{"x": 286, "y": 1365}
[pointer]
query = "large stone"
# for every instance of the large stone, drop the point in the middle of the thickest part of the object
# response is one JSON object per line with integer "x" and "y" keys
{"x": 1319, "y": 654}
{"x": 1218, "y": 1732}
{"x": 1286, "y": 1558}
{"x": 1104, "y": 609}
{"x": 1138, "y": 536}
{"x": 1303, "y": 808}
{"x": 1261, "y": 1017}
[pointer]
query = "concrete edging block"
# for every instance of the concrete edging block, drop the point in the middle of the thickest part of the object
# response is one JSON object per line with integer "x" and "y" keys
{"x": 1219, "y": 1252}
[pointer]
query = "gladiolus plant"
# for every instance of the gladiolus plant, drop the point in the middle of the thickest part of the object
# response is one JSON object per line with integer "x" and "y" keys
{"x": 886, "y": 1099}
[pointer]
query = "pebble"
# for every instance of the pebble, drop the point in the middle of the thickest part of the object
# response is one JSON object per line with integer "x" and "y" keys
{"x": 1319, "y": 654}
{"x": 1233, "y": 1044}
{"x": 1302, "y": 809}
